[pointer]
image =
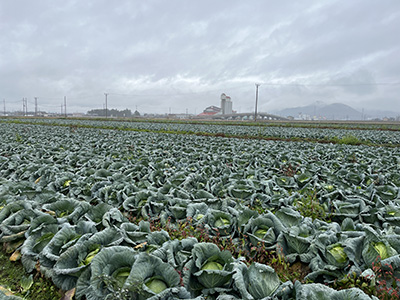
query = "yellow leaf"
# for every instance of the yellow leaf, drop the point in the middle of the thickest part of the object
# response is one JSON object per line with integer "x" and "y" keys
{"x": 15, "y": 256}
{"x": 50, "y": 212}
{"x": 68, "y": 295}
{"x": 6, "y": 292}
{"x": 140, "y": 245}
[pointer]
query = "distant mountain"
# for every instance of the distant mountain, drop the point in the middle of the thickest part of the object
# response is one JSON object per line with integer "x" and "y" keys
{"x": 320, "y": 110}
{"x": 340, "y": 111}
{"x": 371, "y": 114}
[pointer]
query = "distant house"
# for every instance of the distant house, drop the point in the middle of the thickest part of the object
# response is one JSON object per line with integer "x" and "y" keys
{"x": 210, "y": 111}
{"x": 178, "y": 116}
{"x": 225, "y": 109}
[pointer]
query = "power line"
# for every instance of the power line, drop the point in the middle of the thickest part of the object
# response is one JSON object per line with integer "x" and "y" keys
{"x": 333, "y": 84}
{"x": 65, "y": 106}
{"x": 144, "y": 95}
{"x": 263, "y": 83}
{"x": 17, "y": 101}
{"x": 24, "y": 106}
{"x": 36, "y": 106}
{"x": 106, "y": 94}
{"x": 266, "y": 83}
{"x": 255, "y": 111}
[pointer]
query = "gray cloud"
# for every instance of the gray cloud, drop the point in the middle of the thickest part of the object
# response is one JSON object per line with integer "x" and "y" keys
{"x": 160, "y": 55}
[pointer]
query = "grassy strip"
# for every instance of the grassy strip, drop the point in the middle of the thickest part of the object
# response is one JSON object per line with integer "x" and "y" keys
{"x": 14, "y": 281}
{"x": 347, "y": 140}
{"x": 345, "y": 125}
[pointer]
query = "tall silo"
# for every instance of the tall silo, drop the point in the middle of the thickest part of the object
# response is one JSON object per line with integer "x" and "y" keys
{"x": 223, "y": 101}
{"x": 228, "y": 106}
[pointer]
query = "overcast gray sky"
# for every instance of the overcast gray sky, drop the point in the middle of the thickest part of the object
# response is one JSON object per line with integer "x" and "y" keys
{"x": 162, "y": 55}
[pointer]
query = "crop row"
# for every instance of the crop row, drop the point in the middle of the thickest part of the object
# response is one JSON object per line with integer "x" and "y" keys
{"x": 346, "y": 136}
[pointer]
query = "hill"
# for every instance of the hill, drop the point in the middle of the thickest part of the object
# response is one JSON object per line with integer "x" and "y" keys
{"x": 320, "y": 110}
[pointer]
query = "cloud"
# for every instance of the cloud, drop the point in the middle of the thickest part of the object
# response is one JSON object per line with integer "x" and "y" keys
{"x": 160, "y": 54}
{"x": 360, "y": 82}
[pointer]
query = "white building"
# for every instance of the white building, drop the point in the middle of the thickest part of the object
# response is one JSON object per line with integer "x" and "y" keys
{"x": 226, "y": 104}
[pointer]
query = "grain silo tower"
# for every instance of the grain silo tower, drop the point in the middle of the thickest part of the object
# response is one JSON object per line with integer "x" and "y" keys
{"x": 223, "y": 102}
{"x": 226, "y": 104}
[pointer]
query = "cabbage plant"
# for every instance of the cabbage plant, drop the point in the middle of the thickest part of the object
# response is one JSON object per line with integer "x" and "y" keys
{"x": 107, "y": 273}
{"x": 78, "y": 257}
{"x": 376, "y": 247}
{"x": 387, "y": 192}
{"x": 390, "y": 214}
{"x": 298, "y": 241}
{"x": 304, "y": 178}
{"x": 263, "y": 229}
{"x": 154, "y": 205}
{"x": 113, "y": 218}
{"x": 135, "y": 234}
{"x": 242, "y": 189}
{"x": 41, "y": 232}
{"x": 151, "y": 278}
{"x": 210, "y": 270}
{"x": 220, "y": 222}
{"x": 351, "y": 208}
{"x": 244, "y": 216}
{"x": 70, "y": 209}
{"x": 197, "y": 211}
{"x": 258, "y": 281}
{"x": 178, "y": 208}
{"x": 16, "y": 224}
{"x": 285, "y": 182}
{"x": 176, "y": 252}
{"x": 336, "y": 255}
{"x": 288, "y": 216}
{"x": 377, "y": 251}
{"x": 317, "y": 291}
{"x": 66, "y": 237}
{"x": 96, "y": 212}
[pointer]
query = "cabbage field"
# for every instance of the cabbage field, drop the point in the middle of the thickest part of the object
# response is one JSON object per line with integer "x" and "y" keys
{"x": 125, "y": 210}
{"x": 363, "y": 133}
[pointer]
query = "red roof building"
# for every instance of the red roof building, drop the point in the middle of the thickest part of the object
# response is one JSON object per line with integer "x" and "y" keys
{"x": 210, "y": 111}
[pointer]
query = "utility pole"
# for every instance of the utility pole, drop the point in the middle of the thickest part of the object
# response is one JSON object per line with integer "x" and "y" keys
{"x": 4, "y": 101}
{"x": 23, "y": 106}
{"x": 36, "y": 106}
{"x": 106, "y": 94}
{"x": 255, "y": 111}
{"x": 65, "y": 106}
